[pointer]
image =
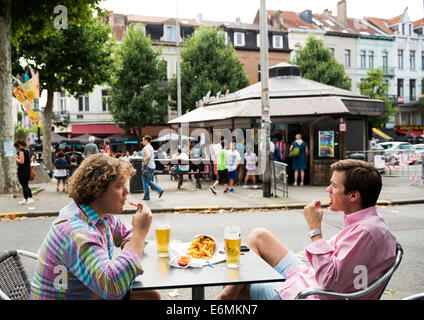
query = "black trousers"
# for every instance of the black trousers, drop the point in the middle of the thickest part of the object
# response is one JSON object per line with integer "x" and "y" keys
{"x": 24, "y": 180}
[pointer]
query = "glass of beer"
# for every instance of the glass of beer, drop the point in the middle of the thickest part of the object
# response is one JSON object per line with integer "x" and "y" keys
{"x": 163, "y": 235}
{"x": 232, "y": 242}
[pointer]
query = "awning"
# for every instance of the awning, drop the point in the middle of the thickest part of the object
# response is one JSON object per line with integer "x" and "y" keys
{"x": 381, "y": 134}
{"x": 95, "y": 129}
{"x": 410, "y": 130}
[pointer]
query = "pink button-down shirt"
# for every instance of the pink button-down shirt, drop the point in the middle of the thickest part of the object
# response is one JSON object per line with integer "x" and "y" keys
{"x": 364, "y": 250}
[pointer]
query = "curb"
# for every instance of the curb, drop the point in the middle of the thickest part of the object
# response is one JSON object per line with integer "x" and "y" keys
{"x": 188, "y": 209}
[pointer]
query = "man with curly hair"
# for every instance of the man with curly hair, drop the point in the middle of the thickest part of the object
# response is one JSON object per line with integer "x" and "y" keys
{"x": 76, "y": 256}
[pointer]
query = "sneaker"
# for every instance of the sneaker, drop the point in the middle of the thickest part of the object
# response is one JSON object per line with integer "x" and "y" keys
{"x": 231, "y": 190}
{"x": 23, "y": 202}
{"x": 301, "y": 183}
{"x": 30, "y": 200}
{"x": 160, "y": 194}
{"x": 245, "y": 187}
{"x": 212, "y": 189}
{"x": 226, "y": 190}
{"x": 295, "y": 184}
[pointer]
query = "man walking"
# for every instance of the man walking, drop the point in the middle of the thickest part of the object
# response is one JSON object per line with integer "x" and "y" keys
{"x": 221, "y": 163}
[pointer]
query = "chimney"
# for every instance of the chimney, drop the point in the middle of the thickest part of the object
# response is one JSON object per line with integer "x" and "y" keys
{"x": 238, "y": 21}
{"x": 342, "y": 12}
{"x": 328, "y": 12}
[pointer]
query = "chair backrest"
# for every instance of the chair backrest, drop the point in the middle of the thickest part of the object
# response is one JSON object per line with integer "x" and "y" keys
{"x": 380, "y": 284}
{"x": 14, "y": 284}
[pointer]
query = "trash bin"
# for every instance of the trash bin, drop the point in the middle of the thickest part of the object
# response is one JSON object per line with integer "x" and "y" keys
{"x": 136, "y": 182}
{"x": 357, "y": 156}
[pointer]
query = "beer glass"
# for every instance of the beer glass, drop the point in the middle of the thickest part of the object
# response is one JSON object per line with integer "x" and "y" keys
{"x": 232, "y": 242}
{"x": 163, "y": 235}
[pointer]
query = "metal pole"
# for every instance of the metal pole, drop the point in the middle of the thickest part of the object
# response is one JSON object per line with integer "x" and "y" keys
{"x": 183, "y": 126}
{"x": 265, "y": 118}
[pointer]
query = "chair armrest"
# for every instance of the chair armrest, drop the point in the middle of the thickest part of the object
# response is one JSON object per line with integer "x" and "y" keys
{"x": 312, "y": 291}
{"x": 27, "y": 254}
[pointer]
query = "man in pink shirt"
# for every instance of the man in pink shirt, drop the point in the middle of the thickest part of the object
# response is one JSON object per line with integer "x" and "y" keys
{"x": 350, "y": 261}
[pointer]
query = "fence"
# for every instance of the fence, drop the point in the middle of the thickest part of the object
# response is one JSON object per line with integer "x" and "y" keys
{"x": 279, "y": 177}
{"x": 406, "y": 163}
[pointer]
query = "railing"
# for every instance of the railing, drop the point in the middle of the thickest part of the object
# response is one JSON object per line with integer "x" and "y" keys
{"x": 399, "y": 163}
{"x": 279, "y": 177}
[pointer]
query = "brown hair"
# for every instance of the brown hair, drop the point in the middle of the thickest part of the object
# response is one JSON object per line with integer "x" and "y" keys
{"x": 148, "y": 138}
{"x": 93, "y": 176}
{"x": 360, "y": 176}
{"x": 20, "y": 142}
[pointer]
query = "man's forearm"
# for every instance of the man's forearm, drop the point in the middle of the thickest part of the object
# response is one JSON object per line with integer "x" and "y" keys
{"x": 136, "y": 243}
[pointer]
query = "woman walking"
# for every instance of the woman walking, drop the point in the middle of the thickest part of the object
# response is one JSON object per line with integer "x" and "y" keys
{"x": 24, "y": 165}
{"x": 299, "y": 163}
{"x": 149, "y": 166}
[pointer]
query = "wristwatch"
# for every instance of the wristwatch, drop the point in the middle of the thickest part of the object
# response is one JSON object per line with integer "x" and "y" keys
{"x": 314, "y": 233}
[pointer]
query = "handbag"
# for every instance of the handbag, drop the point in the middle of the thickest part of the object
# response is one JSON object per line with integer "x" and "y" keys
{"x": 31, "y": 173}
{"x": 295, "y": 152}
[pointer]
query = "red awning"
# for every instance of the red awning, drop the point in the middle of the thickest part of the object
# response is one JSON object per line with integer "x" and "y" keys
{"x": 95, "y": 129}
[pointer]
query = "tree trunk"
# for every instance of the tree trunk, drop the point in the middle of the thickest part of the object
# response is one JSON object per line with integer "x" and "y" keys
{"x": 47, "y": 134}
{"x": 8, "y": 172}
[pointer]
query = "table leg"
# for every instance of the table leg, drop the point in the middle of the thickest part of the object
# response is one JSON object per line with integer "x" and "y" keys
{"x": 198, "y": 293}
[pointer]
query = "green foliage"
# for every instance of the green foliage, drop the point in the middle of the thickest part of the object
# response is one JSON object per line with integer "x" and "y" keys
{"x": 137, "y": 96}
{"x": 21, "y": 132}
{"x": 317, "y": 63}
{"x": 207, "y": 65}
{"x": 375, "y": 87}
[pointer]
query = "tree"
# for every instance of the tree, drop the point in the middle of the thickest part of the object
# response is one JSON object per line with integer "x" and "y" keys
{"x": 74, "y": 59}
{"x": 207, "y": 65}
{"x": 137, "y": 95}
{"x": 375, "y": 87}
{"x": 317, "y": 63}
{"x": 19, "y": 17}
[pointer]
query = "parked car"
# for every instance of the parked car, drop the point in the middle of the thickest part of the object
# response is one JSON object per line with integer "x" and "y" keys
{"x": 397, "y": 152}
{"x": 419, "y": 149}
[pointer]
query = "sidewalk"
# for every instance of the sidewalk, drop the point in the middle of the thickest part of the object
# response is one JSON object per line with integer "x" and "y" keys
{"x": 396, "y": 191}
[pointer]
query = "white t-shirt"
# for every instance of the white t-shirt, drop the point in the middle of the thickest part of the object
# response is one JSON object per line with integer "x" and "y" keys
{"x": 232, "y": 160}
{"x": 215, "y": 148}
{"x": 183, "y": 167}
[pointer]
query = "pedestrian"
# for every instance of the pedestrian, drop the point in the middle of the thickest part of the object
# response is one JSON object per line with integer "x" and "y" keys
{"x": 365, "y": 240}
{"x": 277, "y": 152}
{"x": 221, "y": 165}
{"x": 60, "y": 174}
{"x": 91, "y": 147}
{"x": 282, "y": 146}
{"x": 180, "y": 169}
{"x": 250, "y": 159}
{"x": 232, "y": 164}
{"x": 241, "y": 169}
{"x": 299, "y": 162}
{"x": 74, "y": 166}
{"x": 23, "y": 160}
{"x": 196, "y": 165}
{"x": 213, "y": 150}
{"x": 75, "y": 260}
{"x": 107, "y": 151}
{"x": 149, "y": 167}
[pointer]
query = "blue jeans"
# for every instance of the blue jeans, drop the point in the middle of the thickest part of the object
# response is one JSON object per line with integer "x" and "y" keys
{"x": 147, "y": 183}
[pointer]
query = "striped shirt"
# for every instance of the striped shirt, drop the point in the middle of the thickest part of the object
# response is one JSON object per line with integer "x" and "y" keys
{"x": 75, "y": 259}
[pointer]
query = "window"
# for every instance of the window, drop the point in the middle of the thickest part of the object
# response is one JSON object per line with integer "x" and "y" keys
{"x": 363, "y": 63}
{"x": 277, "y": 42}
{"x": 258, "y": 40}
{"x": 62, "y": 102}
{"x": 83, "y": 104}
{"x": 347, "y": 58}
{"x": 422, "y": 60}
{"x": 227, "y": 41}
{"x": 371, "y": 60}
{"x": 332, "y": 51}
{"x": 412, "y": 60}
{"x": 239, "y": 39}
{"x": 105, "y": 100}
{"x": 410, "y": 29}
{"x": 400, "y": 88}
{"x": 403, "y": 28}
{"x": 400, "y": 59}
{"x": 171, "y": 34}
{"x": 385, "y": 62}
{"x": 412, "y": 90}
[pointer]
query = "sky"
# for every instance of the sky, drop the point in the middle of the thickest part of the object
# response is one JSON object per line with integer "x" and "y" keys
{"x": 229, "y": 10}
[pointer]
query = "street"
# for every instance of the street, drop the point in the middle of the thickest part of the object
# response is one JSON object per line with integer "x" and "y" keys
{"x": 406, "y": 222}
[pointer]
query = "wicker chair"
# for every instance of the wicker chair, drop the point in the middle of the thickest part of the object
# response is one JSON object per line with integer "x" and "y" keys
{"x": 380, "y": 284}
{"x": 14, "y": 284}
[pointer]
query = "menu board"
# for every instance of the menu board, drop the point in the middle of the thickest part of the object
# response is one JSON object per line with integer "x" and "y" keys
{"x": 326, "y": 144}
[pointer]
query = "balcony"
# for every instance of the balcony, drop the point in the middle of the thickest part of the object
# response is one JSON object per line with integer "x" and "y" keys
{"x": 61, "y": 117}
{"x": 389, "y": 71}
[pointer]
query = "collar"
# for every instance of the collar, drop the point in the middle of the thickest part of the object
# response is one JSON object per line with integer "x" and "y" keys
{"x": 357, "y": 216}
{"x": 90, "y": 214}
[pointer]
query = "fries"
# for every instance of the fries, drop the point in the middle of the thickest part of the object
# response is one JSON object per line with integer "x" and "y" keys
{"x": 202, "y": 247}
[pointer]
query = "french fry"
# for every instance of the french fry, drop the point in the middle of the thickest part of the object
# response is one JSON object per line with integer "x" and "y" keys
{"x": 202, "y": 247}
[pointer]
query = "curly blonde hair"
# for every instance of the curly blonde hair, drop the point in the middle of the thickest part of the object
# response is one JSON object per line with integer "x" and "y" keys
{"x": 93, "y": 176}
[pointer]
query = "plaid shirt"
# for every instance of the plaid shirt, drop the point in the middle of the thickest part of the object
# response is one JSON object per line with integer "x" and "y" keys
{"x": 75, "y": 259}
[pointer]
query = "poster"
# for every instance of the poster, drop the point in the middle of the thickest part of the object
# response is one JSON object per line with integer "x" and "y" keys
{"x": 28, "y": 94}
{"x": 326, "y": 144}
{"x": 8, "y": 148}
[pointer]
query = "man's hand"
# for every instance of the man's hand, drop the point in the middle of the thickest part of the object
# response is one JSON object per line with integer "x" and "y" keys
{"x": 141, "y": 221}
{"x": 313, "y": 215}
